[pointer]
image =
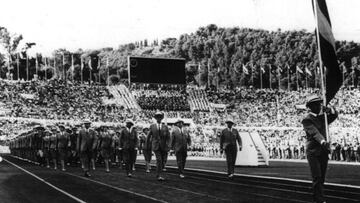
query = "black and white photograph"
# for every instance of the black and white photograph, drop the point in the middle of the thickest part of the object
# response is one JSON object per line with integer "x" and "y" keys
{"x": 169, "y": 101}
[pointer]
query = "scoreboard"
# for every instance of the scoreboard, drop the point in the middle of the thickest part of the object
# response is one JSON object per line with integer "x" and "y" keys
{"x": 156, "y": 70}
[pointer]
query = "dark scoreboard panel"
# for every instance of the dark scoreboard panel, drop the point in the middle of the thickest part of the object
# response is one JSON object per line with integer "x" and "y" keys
{"x": 156, "y": 70}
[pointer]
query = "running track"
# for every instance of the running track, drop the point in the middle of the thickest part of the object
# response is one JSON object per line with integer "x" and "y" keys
{"x": 21, "y": 181}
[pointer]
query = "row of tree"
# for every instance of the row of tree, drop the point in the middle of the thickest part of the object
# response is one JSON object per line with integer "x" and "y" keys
{"x": 216, "y": 56}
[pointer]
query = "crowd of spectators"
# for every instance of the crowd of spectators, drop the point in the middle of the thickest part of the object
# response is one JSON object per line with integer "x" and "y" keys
{"x": 162, "y": 98}
{"x": 249, "y": 108}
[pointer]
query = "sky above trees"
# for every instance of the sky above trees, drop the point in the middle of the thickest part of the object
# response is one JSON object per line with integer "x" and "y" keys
{"x": 93, "y": 24}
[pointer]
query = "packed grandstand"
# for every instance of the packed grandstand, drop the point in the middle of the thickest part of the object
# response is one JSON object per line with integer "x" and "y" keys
{"x": 274, "y": 114}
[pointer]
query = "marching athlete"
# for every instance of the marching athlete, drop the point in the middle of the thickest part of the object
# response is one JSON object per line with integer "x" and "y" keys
{"x": 129, "y": 142}
{"x": 228, "y": 139}
{"x": 159, "y": 137}
{"x": 317, "y": 147}
{"x": 53, "y": 146}
{"x": 86, "y": 144}
{"x": 146, "y": 148}
{"x": 179, "y": 143}
{"x": 63, "y": 144}
{"x": 105, "y": 146}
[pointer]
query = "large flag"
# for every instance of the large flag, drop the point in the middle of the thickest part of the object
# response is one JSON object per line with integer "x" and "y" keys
{"x": 245, "y": 70}
{"x": 326, "y": 42}
{"x": 308, "y": 71}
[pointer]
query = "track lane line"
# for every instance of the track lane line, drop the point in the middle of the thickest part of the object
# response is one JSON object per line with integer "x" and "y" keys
{"x": 117, "y": 188}
{"x": 44, "y": 181}
{"x": 260, "y": 187}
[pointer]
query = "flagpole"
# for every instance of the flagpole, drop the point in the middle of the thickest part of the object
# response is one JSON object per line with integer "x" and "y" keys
{"x": 90, "y": 66}
{"x": 36, "y": 65}
{"x": 45, "y": 69}
{"x": 99, "y": 70}
{"x": 297, "y": 79}
{"x": 306, "y": 81}
{"x": 54, "y": 64}
{"x": 63, "y": 65}
{"x": 343, "y": 73}
{"x": 107, "y": 69}
{"x": 208, "y": 74}
{"x": 261, "y": 82}
{"x": 27, "y": 67}
{"x": 18, "y": 66}
{"x": 198, "y": 75}
{"x": 252, "y": 75}
{"x": 321, "y": 70}
{"x": 279, "y": 75}
{"x": 288, "y": 77}
{"x": 81, "y": 68}
{"x": 353, "y": 76}
{"x": 72, "y": 67}
{"x": 270, "y": 76}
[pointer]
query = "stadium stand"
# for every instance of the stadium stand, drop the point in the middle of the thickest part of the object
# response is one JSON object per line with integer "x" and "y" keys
{"x": 251, "y": 109}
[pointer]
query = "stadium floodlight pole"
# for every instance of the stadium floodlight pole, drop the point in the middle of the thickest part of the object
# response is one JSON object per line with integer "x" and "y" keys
{"x": 322, "y": 82}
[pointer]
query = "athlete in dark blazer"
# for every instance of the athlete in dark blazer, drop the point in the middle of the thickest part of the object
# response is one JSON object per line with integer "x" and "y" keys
{"x": 317, "y": 147}
{"x": 159, "y": 137}
{"x": 129, "y": 143}
{"x": 228, "y": 139}
{"x": 179, "y": 143}
{"x": 86, "y": 145}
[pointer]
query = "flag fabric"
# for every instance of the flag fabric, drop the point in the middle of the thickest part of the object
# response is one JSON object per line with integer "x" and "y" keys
{"x": 245, "y": 70}
{"x": 326, "y": 42}
{"x": 90, "y": 65}
{"x": 308, "y": 71}
{"x": 298, "y": 69}
{"x": 262, "y": 69}
{"x": 72, "y": 63}
{"x": 279, "y": 69}
{"x": 343, "y": 67}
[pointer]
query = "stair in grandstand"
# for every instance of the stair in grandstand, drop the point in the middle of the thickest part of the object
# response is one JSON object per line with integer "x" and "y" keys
{"x": 198, "y": 100}
{"x": 123, "y": 96}
{"x": 261, "y": 159}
